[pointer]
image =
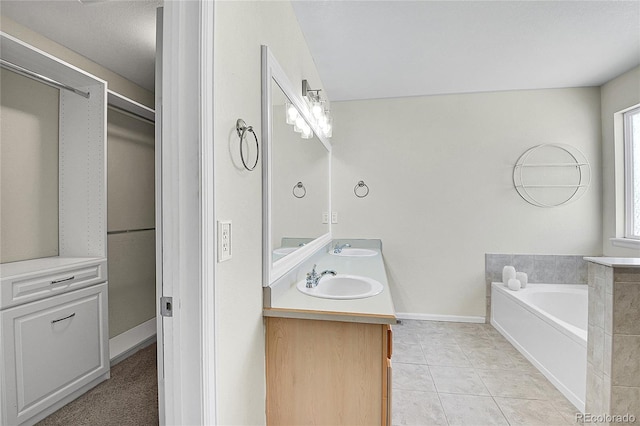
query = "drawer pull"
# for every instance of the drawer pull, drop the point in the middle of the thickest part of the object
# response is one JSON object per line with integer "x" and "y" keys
{"x": 63, "y": 280}
{"x": 62, "y": 319}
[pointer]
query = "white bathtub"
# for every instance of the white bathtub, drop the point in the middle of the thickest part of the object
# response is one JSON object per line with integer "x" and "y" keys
{"x": 547, "y": 323}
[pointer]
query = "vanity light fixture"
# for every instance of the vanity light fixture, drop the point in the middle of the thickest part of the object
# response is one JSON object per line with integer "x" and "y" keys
{"x": 318, "y": 109}
{"x": 297, "y": 121}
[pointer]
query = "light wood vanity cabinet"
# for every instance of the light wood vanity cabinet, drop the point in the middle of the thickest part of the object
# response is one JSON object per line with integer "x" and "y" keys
{"x": 328, "y": 372}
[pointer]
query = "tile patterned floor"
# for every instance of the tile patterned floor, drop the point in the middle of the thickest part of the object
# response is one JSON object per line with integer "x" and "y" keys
{"x": 448, "y": 373}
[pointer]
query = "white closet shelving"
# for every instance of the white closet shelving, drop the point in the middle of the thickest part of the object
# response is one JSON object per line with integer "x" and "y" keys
{"x": 53, "y": 311}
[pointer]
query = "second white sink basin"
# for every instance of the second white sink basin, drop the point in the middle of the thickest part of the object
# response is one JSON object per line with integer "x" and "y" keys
{"x": 354, "y": 252}
{"x": 342, "y": 286}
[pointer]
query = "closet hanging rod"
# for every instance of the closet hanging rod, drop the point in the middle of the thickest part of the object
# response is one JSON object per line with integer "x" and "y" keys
{"x": 35, "y": 76}
{"x": 128, "y": 231}
{"x": 131, "y": 114}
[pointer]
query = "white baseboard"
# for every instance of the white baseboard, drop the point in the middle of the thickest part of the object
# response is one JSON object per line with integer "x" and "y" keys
{"x": 432, "y": 317}
{"x": 131, "y": 341}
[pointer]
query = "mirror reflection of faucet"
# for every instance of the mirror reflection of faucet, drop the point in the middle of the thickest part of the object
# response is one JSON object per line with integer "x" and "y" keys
{"x": 338, "y": 248}
{"x": 313, "y": 278}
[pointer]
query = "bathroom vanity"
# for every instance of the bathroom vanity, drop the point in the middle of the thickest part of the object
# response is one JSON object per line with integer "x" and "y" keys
{"x": 328, "y": 361}
{"x": 329, "y": 344}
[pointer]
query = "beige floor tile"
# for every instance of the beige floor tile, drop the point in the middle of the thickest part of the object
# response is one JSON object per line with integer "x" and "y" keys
{"x": 470, "y": 367}
{"x": 417, "y": 408}
{"x": 448, "y": 355}
{"x": 471, "y": 410}
{"x": 405, "y": 336}
{"x": 512, "y": 384}
{"x": 412, "y": 377}
{"x": 489, "y": 358}
{"x": 530, "y": 412}
{"x": 566, "y": 409}
{"x": 408, "y": 353}
{"x": 545, "y": 385}
{"x": 458, "y": 380}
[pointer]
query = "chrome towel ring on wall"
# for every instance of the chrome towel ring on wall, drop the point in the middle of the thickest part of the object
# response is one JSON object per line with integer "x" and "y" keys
{"x": 242, "y": 129}
{"x": 361, "y": 189}
{"x": 302, "y": 191}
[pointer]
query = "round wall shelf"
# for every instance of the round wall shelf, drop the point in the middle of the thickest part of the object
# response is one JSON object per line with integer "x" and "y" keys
{"x": 552, "y": 175}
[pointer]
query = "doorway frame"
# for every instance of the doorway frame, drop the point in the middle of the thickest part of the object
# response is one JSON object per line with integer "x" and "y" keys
{"x": 185, "y": 214}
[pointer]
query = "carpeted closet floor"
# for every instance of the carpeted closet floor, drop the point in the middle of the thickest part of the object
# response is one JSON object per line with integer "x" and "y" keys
{"x": 129, "y": 397}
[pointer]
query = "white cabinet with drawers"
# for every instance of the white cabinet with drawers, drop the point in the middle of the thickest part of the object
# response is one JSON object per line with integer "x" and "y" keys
{"x": 52, "y": 348}
{"x": 53, "y": 311}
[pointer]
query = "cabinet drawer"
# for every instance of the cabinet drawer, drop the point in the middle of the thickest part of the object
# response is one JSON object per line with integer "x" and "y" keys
{"x": 51, "y": 348}
{"x": 31, "y": 286}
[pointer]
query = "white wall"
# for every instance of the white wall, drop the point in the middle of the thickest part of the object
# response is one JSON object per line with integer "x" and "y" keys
{"x": 439, "y": 169}
{"x": 28, "y": 168}
{"x": 241, "y": 27}
{"x": 618, "y": 94}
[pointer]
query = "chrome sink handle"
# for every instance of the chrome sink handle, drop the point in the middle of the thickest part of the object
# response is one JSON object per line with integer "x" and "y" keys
{"x": 313, "y": 278}
{"x": 338, "y": 248}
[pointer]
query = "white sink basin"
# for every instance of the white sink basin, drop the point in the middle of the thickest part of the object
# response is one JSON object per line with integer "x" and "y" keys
{"x": 342, "y": 287}
{"x": 354, "y": 252}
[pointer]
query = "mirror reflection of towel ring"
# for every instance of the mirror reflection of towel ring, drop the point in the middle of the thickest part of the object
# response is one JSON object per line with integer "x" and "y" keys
{"x": 358, "y": 186}
{"x": 242, "y": 129}
{"x": 302, "y": 190}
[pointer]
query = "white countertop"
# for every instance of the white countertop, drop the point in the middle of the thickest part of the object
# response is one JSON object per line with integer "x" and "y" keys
{"x": 616, "y": 262}
{"x": 288, "y": 302}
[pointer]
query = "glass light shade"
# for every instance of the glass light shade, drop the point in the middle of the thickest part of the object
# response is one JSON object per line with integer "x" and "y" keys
{"x": 327, "y": 129}
{"x": 322, "y": 121}
{"x": 307, "y": 133}
{"x": 317, "y": 109}
{"x": 299, "y": 124}
{"x": 292, "y": 113}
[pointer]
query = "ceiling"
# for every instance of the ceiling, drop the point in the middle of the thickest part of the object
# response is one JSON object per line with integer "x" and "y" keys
{"x": 379, "y": 49}
{"x": 119, "y": 35}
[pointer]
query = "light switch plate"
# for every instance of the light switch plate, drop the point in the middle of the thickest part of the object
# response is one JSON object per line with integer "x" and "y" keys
{"x": 224, "y": 240}
{"x": 334, "y": 217}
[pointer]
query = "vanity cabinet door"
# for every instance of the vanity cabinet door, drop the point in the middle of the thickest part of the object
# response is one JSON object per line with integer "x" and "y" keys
{"x": 51, "y": 348}
{"x": 387, "y": 393}
{"x": 326, "y": 372}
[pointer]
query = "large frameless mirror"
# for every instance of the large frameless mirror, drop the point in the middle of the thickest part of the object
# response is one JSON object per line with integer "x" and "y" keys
{"x": 296, "y": 176}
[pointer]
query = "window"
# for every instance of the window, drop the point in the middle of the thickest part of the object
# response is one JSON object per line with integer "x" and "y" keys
{"x": 632, "y": 173}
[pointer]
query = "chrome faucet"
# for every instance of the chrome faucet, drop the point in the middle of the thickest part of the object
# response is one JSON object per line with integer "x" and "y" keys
{"x": 313, "y": 278}
{"x": 338, "y": 248}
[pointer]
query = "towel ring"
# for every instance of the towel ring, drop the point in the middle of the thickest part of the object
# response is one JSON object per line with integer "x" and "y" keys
{"x": 300, "y": 186}
{"x": 359, "y": 185}
{"x": 242, "y": 129}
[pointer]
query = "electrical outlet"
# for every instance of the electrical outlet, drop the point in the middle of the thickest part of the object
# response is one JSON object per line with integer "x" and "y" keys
{"x": 224, "y": 240}
{"x": 325, "y": 217}
{"x": 334, "y": 217}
